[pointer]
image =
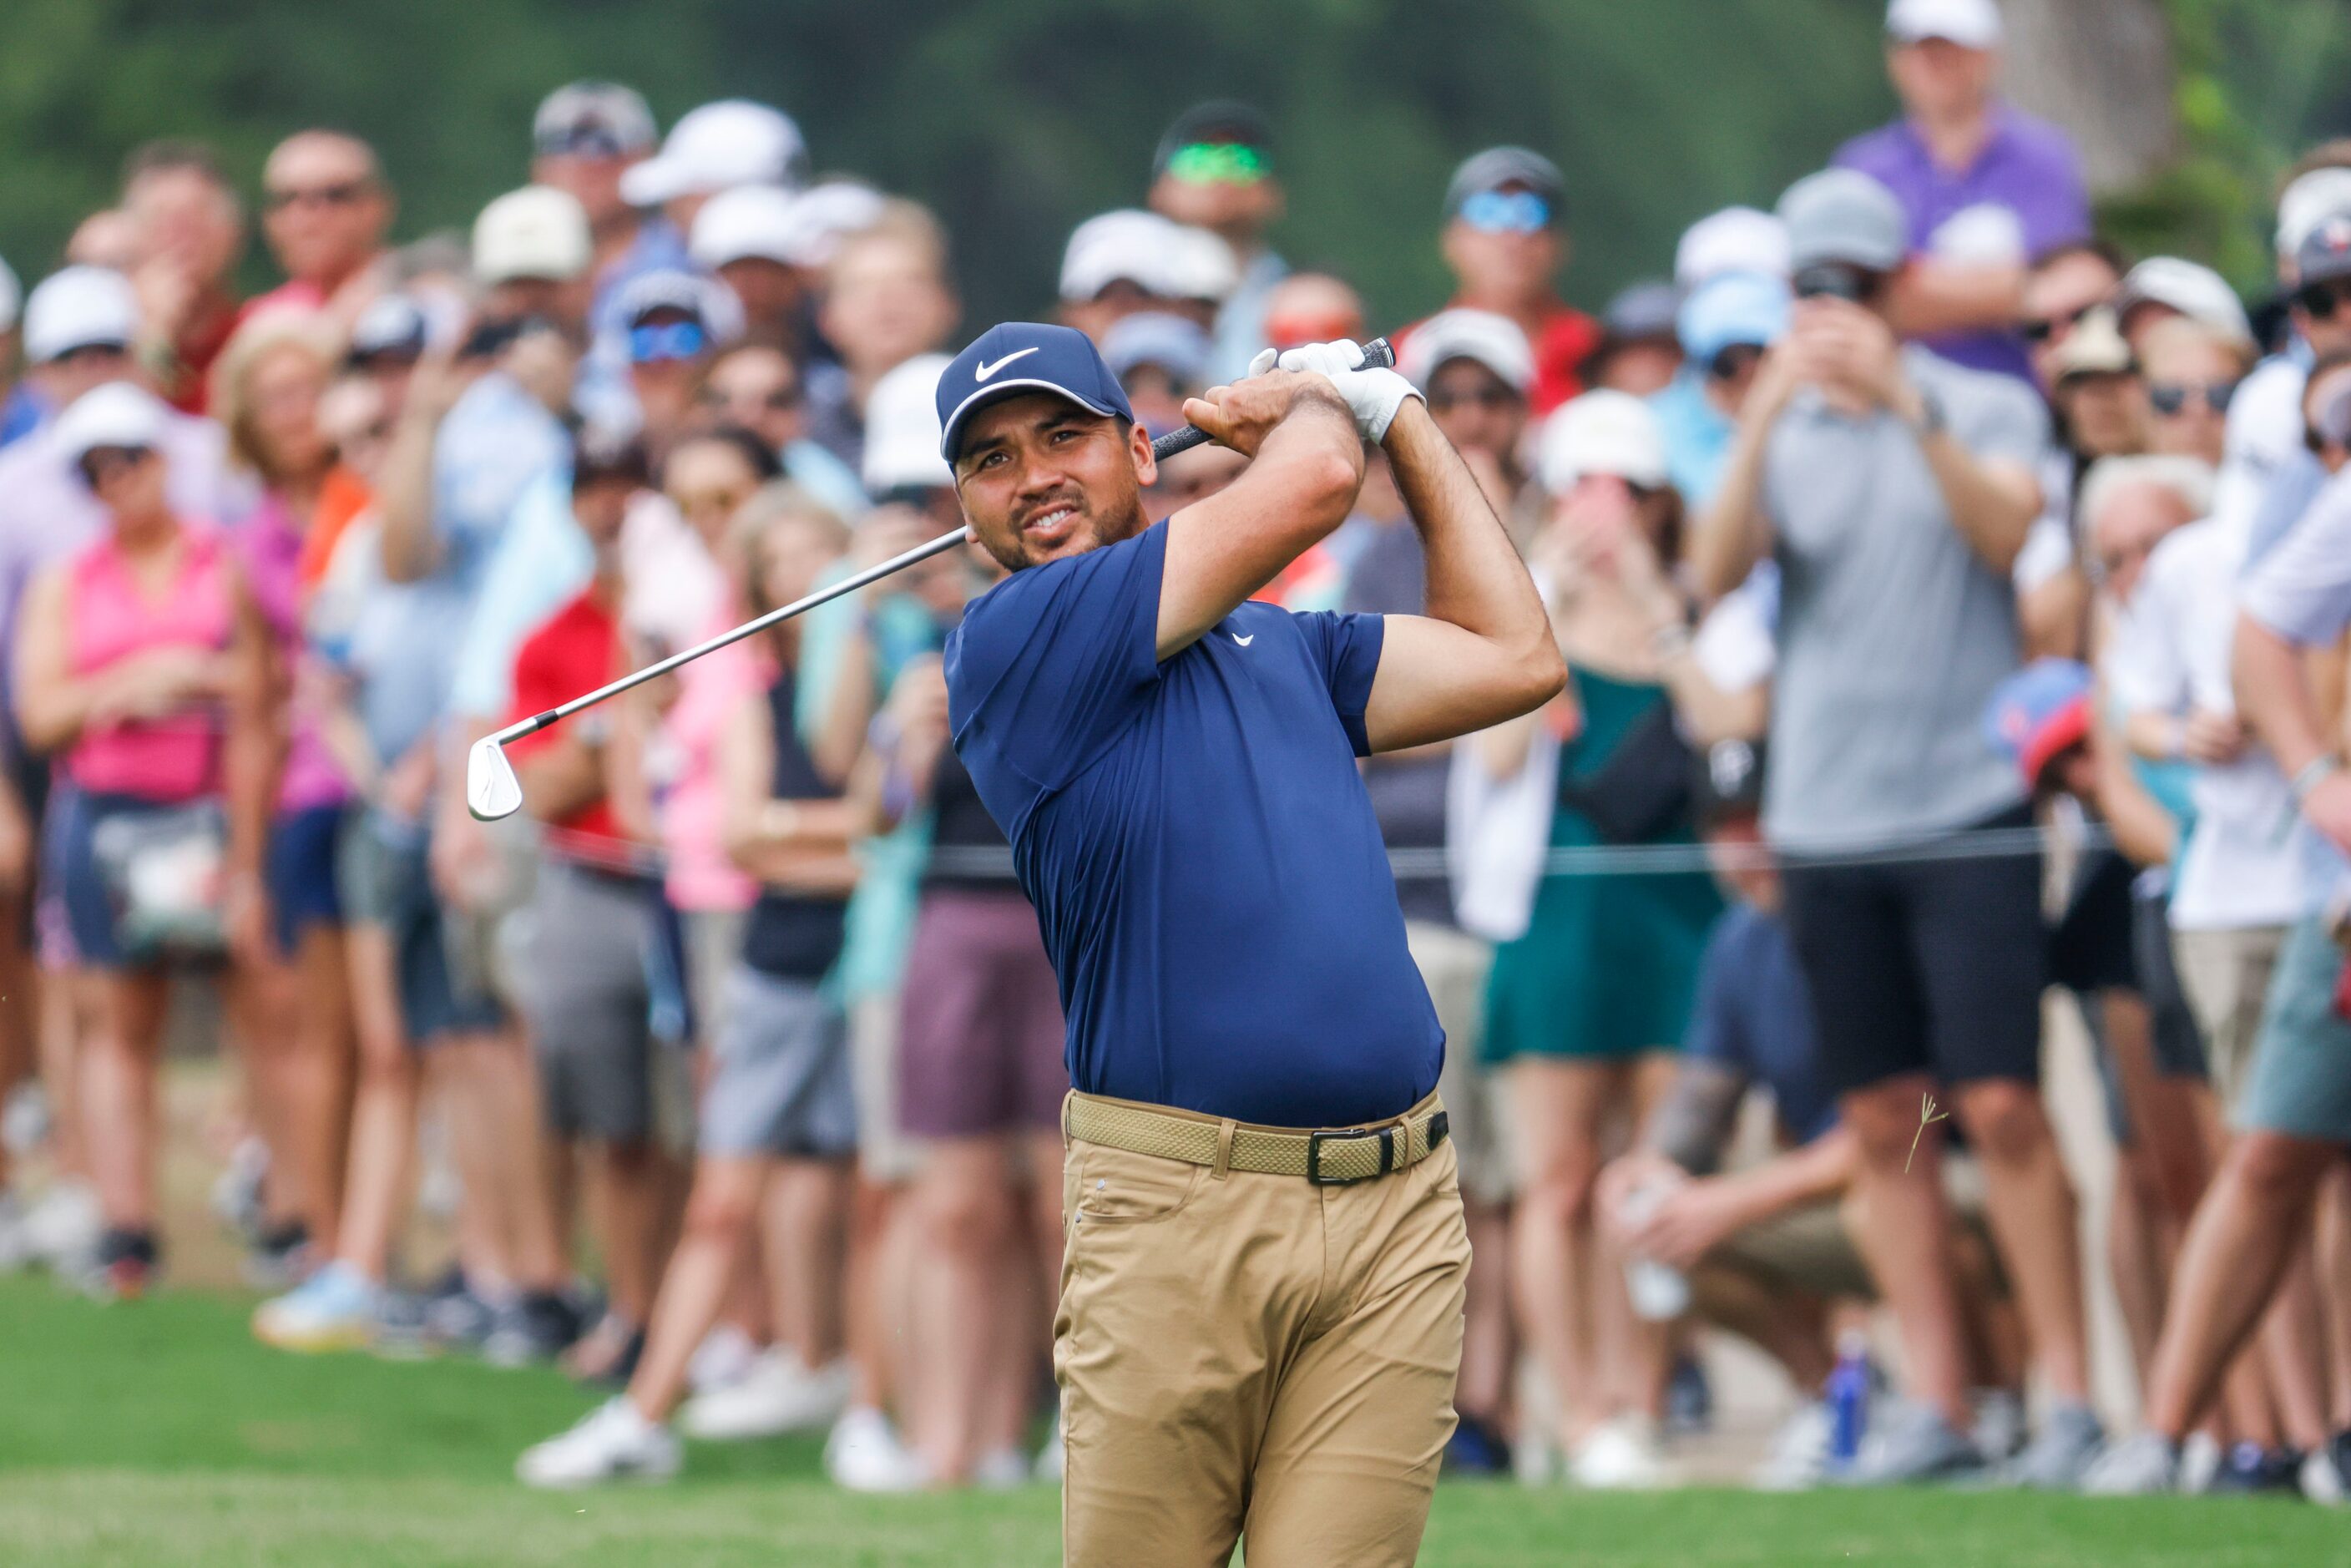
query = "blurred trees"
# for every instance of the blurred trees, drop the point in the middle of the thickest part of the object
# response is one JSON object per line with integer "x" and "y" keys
{"x": 1015, "y": 118}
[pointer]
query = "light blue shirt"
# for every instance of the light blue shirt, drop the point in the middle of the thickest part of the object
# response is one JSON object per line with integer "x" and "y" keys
{"x": 1698, "y": 435}
{"x": 542, "y": 562}
{"x": 1240, "y": 320}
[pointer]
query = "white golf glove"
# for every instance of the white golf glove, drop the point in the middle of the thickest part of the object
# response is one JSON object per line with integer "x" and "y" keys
{"x": 1371, "y": 396}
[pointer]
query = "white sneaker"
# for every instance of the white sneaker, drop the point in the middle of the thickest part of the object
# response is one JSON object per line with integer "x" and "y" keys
{"x": 613, "y": 1442}
{"x": 1002, "y": 1471}
{"x": 63, "y": 1224}
{"x": 2199, "y": 1460}
{"x": 2141, "y": 1465}
{"x": 1619, "y": 1455}
{"x": 779, "y": 1396}
{"x": 864, "y": 1453}
{"x": 1053, "y": 1459}
{"x": 726, "y": 1356}
{"x": 1798, "y": 1459}
{"x": 334, "y": 1309}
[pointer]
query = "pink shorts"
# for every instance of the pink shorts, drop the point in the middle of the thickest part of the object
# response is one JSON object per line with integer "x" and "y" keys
{"x": 980, "y": 1037}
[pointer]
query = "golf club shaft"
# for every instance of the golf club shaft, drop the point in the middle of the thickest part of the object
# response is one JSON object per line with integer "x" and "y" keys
{"x": 1378, "y": 354}
{"x": 871, "y": 574}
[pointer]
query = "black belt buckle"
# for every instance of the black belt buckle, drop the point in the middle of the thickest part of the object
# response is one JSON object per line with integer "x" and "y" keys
{"x": 1314, "y": 1141}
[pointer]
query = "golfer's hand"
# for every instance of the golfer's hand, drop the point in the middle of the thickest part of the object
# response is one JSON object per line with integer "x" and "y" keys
{"x": 1243, "y": 414}
{"x": 1373, "y": 396}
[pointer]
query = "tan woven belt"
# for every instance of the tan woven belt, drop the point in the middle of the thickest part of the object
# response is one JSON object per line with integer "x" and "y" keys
{"x": 1335, "y": 1159}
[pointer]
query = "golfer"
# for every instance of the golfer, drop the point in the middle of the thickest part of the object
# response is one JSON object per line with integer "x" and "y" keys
{"x": 1262, "y": 1290}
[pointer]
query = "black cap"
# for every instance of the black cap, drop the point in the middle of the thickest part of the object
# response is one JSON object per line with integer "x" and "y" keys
{"x": 1498, "y": 167}
{"x": 1728, "y": 781}
{"x": 1221, "y": 119}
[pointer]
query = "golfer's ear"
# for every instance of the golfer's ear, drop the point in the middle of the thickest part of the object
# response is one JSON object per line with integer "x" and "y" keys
{"x": 1138, "y": 444}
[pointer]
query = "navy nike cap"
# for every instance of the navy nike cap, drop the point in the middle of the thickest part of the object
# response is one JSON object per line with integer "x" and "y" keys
{"x": 1024, "y": 356}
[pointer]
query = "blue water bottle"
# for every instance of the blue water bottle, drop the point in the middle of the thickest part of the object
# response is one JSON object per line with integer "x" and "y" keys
{"x": 1849, "y": 1396}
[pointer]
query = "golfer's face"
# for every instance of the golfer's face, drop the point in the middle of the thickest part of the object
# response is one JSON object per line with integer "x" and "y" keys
{"x": 1041, "y": 478}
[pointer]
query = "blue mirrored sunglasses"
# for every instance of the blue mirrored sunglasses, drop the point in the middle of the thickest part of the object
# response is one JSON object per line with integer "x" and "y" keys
{"x": 1507, "y": 212}
{"x": 672, "y": 340}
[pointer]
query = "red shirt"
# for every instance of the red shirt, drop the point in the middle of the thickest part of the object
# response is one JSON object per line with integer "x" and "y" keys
{"x": 1562, "y": 343}
{"x": 576, "y": 649}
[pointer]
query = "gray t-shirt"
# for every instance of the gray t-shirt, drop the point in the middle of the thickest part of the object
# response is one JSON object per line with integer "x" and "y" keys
{"x": 1390, "y": 577}
{"x": 1893, "y": 631}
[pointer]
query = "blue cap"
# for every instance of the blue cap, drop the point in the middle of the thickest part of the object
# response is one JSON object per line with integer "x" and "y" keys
{"x": 2039, "y": 712}
{"x": 1178, "y": 344}
{"x": 1733, "y": 308}
{"x": 1024, "y": 356}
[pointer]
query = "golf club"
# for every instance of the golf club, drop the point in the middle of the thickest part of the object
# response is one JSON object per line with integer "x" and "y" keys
{"x": 1378, "y": 354}
{"x": 492, "y": 790}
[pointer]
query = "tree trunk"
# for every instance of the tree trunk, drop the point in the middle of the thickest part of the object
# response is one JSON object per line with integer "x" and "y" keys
{"x": 2101, "y": 69}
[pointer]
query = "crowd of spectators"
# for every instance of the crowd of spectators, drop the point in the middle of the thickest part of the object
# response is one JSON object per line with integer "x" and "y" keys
{"x": 1955, "y": 610}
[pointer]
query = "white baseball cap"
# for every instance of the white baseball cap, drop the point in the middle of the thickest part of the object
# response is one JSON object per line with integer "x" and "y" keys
{"x": 1129, "y": 244}
{"x": 902, "y": 428}
{"x": 2195, "y": 291}
{"x": 12, "y": 296}
{"x": 2309, "y": 202}
{"x": 79, "y": 308}
{"x": 1971, "y": 24}
{"x": 1199, "y": 266}
{"x": 1735, "y": 239}
{"x": 827, "y": 214}
{"x": 118, "y": 414}
{"x": 717, "y": 148}
{"x": 1493, "y": 340}
{"x": 536, "y": 232}
{"x": 1603, "y": 431}
{"x": 747, "y": 223}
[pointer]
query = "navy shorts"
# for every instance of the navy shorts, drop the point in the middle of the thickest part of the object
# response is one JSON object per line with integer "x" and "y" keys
{"x": 71, "y": 863}
{"x": 386, "y": 882}
{"x": 300, "y": 874}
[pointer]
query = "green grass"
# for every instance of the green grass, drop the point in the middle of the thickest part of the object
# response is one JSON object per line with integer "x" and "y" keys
{"x": 160, "y": 1434}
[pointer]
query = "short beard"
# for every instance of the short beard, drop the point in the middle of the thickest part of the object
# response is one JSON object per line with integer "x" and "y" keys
{"x": 1129, "y": 521}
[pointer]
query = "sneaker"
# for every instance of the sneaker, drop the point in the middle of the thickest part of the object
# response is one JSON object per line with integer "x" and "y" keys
{"x": 2325, "y": 1475}
{"x": 334, "y": 1309}
{"x": 123, "y": 1267}
{"x": 1002, "y": 1471}
{"x": 1689, "y": 1399}
{"x": 1053, "y": 1459}
{"x": 2142, "y": 1465}
{"x": 1619, "y": 1455}
{"x": 532, "y": 1330}
{"x": 2000, "y": 1429}
{"x": 606, "y": 1355}
{"x": 279, "y": 1258}
{"x": 2200, "y": 1457}
{"x": 455, "y": 1317}
{"x": 2250, "y": 1468}
{"x": 1798, "y": 1459}
{"x": 1910, "y": 1443}
{"x": 2060, "y": 1453}
{"x": 864, "y": 1453}
{"x": 16, "y": 1235}
{"x": 781, "y": 1395}
{"x": 237, "y": 1194}
{"x": 613, "y": 1442}
{"x": 26, "y": 1122}
{"x": 725, "y": 1355}
{"x": 63, "y": 1224}
{"x": 1476, "y": 1448}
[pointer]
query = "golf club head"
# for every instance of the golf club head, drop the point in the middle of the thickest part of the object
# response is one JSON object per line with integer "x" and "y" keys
{"x": 492, "y": 790}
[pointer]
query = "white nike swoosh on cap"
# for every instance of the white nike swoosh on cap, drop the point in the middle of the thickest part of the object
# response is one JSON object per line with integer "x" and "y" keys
{"x": 982, "y": 370}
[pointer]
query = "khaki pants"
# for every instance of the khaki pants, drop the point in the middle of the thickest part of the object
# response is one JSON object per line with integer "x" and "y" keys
{"x": 1253, "y": 1357}
{"x": 2226, "y": 974}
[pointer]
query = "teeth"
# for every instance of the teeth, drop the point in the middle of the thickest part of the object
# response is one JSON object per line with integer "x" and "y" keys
{"x": 1049, "y": 518}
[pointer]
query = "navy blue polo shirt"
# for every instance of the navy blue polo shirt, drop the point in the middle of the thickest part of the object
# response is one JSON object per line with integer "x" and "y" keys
{"x": 1197, "y": 839}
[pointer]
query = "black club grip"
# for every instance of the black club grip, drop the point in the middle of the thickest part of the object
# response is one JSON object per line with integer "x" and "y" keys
{"x": 1379, "y": 355}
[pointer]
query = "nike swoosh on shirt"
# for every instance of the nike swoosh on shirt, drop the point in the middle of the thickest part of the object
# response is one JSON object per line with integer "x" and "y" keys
{"x": 1239, "y": 640}
{"x": 982, "y": 370}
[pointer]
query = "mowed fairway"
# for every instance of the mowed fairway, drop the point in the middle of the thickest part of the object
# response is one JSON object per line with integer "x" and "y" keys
{"x": 160, "y": 1434}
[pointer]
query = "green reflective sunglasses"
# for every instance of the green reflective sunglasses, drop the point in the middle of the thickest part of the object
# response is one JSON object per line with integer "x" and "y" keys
{"x": 1219, "y": 162}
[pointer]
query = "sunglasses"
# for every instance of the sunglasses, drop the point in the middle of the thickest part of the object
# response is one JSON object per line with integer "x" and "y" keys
{"x": 2321, "y": 300}
{"x": 2042, "y": 328}
{"x": 1506, "y": 212}
{"x": 1219, "y": 163}
{"x": 675, "y": 341}
{"x": 82, "y": 353}
{"x": 2170, "y": 398}
{"x": 1837, "y": 280}
{"x": 590, "y": 139}
{"x": 1489, "y": 396}
{"x": 346, "y": 194}
{"x": 1733, "y": 361}
{"x": 101, "y": 464}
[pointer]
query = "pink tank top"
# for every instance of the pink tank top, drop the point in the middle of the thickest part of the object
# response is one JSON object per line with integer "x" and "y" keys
{"x": 270, "y": 546}
{"x": 108, "y": 619}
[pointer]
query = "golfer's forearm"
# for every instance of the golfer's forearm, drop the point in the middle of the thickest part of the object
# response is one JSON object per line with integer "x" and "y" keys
{"x": 2274, "y": 698}
{"x": 1475, "y": 580}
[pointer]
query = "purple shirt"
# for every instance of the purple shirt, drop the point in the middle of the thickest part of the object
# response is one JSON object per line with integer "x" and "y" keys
{"x": 2027, "y": 166}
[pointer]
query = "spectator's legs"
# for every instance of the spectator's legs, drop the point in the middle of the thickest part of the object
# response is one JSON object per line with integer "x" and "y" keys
{"x": 298, "y": 1045}
{"x": 969, "y": 1223}
{"x": 2333, "y": 1261}
{"x": 259, "y": 1009}
{"x": 1561, "y": 1109}
{"x": 1789, "y": 1326}
{"x": 2134, "y": 1254}
{"x": 383, "y": 1108}
{"x": 628, "y": 1182}
{"x": 57, "y": 1025}
{"x": 720, "y": 1217}
{"x": 2029, "y": 1201}
{"x": 492, "y": 1102}
{"x": 874, "y": 1296}
{"x": 1903, "y": 1225}
{"x": 2244, "y": 1236}
{"x": 808, "y": 1205}
{"x": 121, "y": 1013}
{"x": 1488, "y": 1343}
{"x": 2293, "y": 1342}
